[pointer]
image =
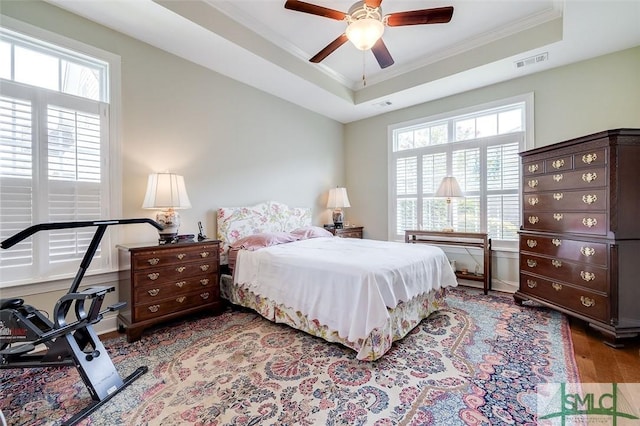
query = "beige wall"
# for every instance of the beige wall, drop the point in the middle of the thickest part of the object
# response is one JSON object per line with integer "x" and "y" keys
{"x": 234, "y": 145}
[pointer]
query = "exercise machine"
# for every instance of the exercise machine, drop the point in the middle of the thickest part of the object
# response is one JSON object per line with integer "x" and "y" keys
{"x": 23, "y": 328}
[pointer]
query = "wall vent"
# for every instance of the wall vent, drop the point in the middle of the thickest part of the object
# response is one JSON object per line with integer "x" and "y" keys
{"x": 532, "y": 60}
{"x": 383, "y": 104}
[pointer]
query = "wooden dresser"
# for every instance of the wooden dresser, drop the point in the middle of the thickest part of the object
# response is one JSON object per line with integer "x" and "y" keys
{"x": 580, "y": 238}
{"x": 162, "y": 282}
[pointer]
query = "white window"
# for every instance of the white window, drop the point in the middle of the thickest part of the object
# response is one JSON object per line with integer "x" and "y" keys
{"x": 54, "y": 156}
{"x": 479, "y": 147}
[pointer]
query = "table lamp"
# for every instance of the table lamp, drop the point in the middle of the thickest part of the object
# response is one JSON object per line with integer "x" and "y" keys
{"x": 338, "y": 199}
{"x": 449, "y": 189}
{"x": 166, "y": 191}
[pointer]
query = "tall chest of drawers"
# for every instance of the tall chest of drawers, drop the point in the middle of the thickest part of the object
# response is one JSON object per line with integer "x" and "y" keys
{"x": 580, "y": 238}
{"x": 163, "y": 282}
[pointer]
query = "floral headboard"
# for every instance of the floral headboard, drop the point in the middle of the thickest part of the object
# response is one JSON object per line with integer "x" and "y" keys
{"x": 234, "y": 223}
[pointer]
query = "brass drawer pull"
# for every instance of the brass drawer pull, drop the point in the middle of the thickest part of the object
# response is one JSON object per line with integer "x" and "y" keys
{"x": 204, "y": 254}
{"x": 153, "y": 261}
{"x": 532, "y": 283}
{"x": 589, "y": 222}
{"x": 558, "y": 178}
{"x": 533, "y": 183}
{"x": 557, "y": 263}
{"x": 533, "y": 200}
{"x": 204, "y": 295}
{"x": 153, "y": 292}
{"x": 531, "y": 263}
{"x": 204, "y": 281}
{"x": 558, "y": 216}
{"x": 589, "y": 158}
{"x": 556, "y": 242}
{"x": 589, "y": 177}
{"x": 558, "y": 196}
{"x": 533, "y": 220}
{"x": 181, "y": 299}
{"x": 181, "y": 284}
{"x": 181, "y": 269}
{"x": 204, "y": 267}
{"x": 589, "y": 199}
{"x": 532, "y": 243}
{"x": 557, "y": 164}
{"x": 153, "y": 276}
{"x": 587, "y": 301}
{"x": 587, "y": 251}
{"x": 154, "y": 308}
{"x": 181, "y": 256}
{"x": 533, "y": 168}
{"x": 587, "y": 276}
{"x": 556, "y": 286}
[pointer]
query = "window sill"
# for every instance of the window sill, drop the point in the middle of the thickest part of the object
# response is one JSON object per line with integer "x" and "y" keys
{"x": 28, "y": 289}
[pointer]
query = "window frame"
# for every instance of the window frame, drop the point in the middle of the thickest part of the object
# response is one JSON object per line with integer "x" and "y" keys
{"x": 527, "y": 99}
{"x": 112, "y": 161}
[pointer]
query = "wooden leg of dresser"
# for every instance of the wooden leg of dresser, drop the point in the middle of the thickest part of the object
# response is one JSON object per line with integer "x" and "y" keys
{"x": 134, "y": 334}
{"x": 518, "y": 299}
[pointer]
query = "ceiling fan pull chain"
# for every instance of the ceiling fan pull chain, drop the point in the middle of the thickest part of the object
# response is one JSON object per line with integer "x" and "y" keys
{"x": 364, "y": 78}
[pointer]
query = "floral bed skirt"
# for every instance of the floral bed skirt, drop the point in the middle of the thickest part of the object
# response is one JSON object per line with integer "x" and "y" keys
{"x": 401, "y": 320}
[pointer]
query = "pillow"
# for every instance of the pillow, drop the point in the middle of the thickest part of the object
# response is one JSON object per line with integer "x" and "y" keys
{"x": 311, "y": 232}
{"x": 263, "y": 239}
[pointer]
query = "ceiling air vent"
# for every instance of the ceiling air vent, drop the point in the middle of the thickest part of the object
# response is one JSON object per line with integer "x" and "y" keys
{"x": 532, "y": 60}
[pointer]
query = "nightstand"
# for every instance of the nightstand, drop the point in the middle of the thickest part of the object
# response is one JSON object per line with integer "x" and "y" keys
{"x": 163, "y": 282}
{"x": 347, "y": 232}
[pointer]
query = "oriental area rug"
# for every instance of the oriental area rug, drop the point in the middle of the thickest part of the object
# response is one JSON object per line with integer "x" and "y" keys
{"x": 478, "y": 361}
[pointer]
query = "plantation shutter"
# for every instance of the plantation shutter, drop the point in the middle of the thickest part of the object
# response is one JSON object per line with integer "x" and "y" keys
{"x": 407, "y": 193}
{"x": 74, "y": 175}
{"x": 16, "y": 177}
{"x": 434, "y": 210}
{"x": 52, "y": 174}
{"x": 503, "y": 201}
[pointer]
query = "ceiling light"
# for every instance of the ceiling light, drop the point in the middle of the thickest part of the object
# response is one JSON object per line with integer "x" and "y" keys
{"x": 364, "y": 33}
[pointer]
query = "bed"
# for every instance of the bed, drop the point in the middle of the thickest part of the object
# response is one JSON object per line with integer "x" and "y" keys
{"x": 363, "y": 294}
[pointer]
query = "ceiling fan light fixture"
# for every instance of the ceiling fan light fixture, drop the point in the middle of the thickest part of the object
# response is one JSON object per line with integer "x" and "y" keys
{"x": 364, "y": 33}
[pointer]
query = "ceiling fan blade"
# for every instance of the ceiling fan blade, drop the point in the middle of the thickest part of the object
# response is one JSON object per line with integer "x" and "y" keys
{"x": 382, "y": 54}
{"x": 373, "y": 3}
{"x": 438, "y": 15}
{"x": 300, "y": 6}
{"x": 331, "y": 47}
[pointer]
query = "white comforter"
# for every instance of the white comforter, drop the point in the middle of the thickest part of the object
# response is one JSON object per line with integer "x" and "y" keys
{"x": 346, "y": 284}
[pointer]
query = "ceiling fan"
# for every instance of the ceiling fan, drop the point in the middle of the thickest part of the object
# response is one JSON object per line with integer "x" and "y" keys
{"x": 365, "y": 25}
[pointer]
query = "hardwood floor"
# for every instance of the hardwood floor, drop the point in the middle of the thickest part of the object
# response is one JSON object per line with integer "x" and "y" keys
{"x": 599, "y": 363}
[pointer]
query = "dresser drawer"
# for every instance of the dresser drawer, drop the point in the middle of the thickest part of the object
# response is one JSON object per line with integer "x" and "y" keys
{"x": 559, "y": 164}
{"x": 533, "y": 168}
{"x": 175, "y": 304}
{"x": 159, "y": 258}
{"x": 177, "y": 272}
{"x": 560, "y": 247}
{"x": 595, "y": 157}
{"x": 580, "y": 223}
{"x": 563, "y": 200}
{"x": 576, "y": 299}
{"x": 579, "y": 179}
{"x": 154, "y": 292}
{"x": 590, "y": 276}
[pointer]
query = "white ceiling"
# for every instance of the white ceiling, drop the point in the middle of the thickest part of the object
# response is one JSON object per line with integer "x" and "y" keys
{"x": 266, "y": 46}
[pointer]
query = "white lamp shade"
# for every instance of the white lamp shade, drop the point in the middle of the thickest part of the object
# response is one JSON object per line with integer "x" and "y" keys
{"x": 166, "y": 191}
{"x": 364, "y": 33}
{"x": 449, "y": 188}
{"x": 338, "y": 198}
